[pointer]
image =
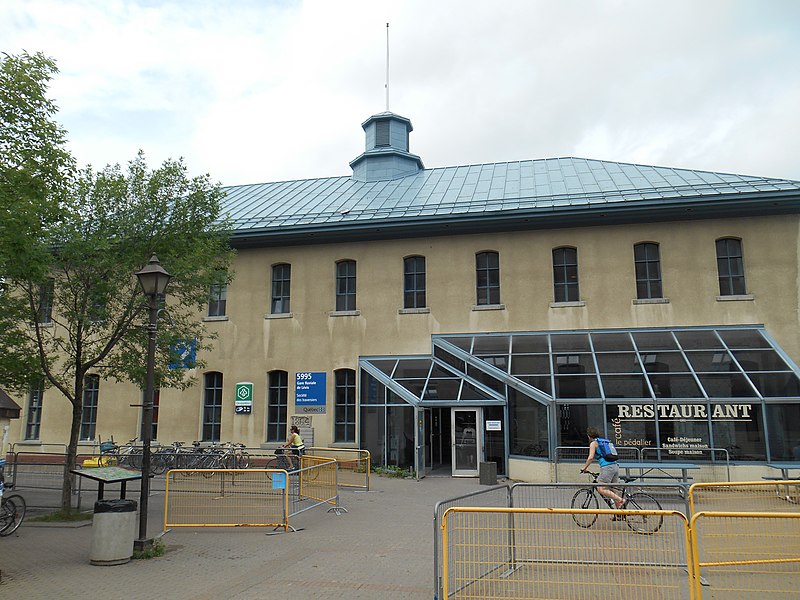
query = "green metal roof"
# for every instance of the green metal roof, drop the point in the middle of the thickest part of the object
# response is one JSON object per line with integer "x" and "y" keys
{"x": 494, "y": 197}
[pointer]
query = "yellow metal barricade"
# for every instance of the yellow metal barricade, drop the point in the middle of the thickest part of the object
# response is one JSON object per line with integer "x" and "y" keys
{"x": 317, "y": 480}
{"x": 745, "y": 496}
{"x": 354, "y": 465}
{"x": 226, "y": 498}
{"x": 744, "y": 556}
{"x": 538, "y": 553}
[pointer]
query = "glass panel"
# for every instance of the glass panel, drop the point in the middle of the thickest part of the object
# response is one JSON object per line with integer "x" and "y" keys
{"x": 529, "y": 343}
{"x": 611, "y": 341}
{"x": 618, "y": 362}
{"x": 674, "y": 386}
{"x": 711, "y": 362}
{"x": 632, "y": 425}
{"x": 573, "y": 364}
{"x": 664, "y": 362}
{"x": 577, "y": 386}
{"x": 466, "y": 440}
{"x": 465, "y": 343}
{"x": 373, "y": 432}
{"x": 470, "y": 392}
{"x": 686, "y": 439}
{"x": 573, "y": 420}
{"x": 400, "y": 436}
{"x": 494, "y": 442}
{"x": 501, "y": 362}
{"x": 570, "y": 342}
{"x": 760, "y": 360}
{"x": 438, "y": 371}
{"x": 415, "y": 386}
{"x": 744, "y": 338}
{"x": 442, "y": 389}
{"x": 385, "y": 366}
{"x": 485, "y": 379}
{"x": 526, "y": 364}
{"x": 491, "y": 345}
{"x": 448, "y": 358}
{"x": 776, "y": 384}
{"x": 394, "y": 398}
{"x": 372, "y": 391}
{"x": 408, "y": 368}
{"x": 625, "y": 386}
{"x": 528, "y": 430}
{"x": 698, "y": 340}
{"x": 743, "y": 434}
{"x": 783, "y": 422}
{"x": 726, "y": 385}
{"x": 541, "y": 382}
{"x": 654, "y": 340}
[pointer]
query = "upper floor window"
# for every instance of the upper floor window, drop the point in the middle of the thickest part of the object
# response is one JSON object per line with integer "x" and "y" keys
{"x": 277, "y": 405}
{"x": 565, "y": 275}
{"x": 382, "y": 133}
{"x": 487, "y": 272}
{"x": 346, "y": 285}
{"x": 647, "y": 263}
{"x": 345, "y": 418}
{"x": 281, "y": 289}
{"x": 218, "y": 299}
{"x": 91, "y": 393}
{"x": 45, "y": 310}
{"x": 212, "y": 407}
{"x": 34, "y": 419}
{"x": 730, "y": 267}
{"x": 414, "y": 282}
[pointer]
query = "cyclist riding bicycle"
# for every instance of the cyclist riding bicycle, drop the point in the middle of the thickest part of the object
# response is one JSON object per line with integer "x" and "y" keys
{"x": 609, "y": 467}
{"x": 295, "y": 443}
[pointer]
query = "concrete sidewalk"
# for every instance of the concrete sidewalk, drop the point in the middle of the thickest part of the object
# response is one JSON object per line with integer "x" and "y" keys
{"x": 381, "y": 548}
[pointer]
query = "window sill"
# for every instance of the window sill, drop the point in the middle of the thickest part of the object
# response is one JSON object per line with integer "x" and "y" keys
{"x": 279, "y": 315}
{"x": 577, "y": 304}
{"x": 650, "y": 301}
{"x": 413, "y": 311}
{"x": 217, "y": 318}
{"x": 736, "y": 298}
{"x": 489, "y": 307}
{"x": 344, "y": 313}
{"x": 28, "y": 443}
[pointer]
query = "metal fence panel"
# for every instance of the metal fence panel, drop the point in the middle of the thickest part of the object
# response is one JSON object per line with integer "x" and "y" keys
{"x": 354, "y": 465}
{"x": 542, "y": 553}
{"x": 746, "y": 496}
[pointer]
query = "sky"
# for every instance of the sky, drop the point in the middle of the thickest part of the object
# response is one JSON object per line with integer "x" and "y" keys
{"x": 255, "y": 91}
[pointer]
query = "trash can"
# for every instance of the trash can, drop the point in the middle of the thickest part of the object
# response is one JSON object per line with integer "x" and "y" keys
{"x": 488, "y": 473}
{"x": 113, "y": 532}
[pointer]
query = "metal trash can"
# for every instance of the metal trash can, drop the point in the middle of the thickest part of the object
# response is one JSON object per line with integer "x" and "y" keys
{"x": 113, "y": 532}
{"x": 488, "y": 473}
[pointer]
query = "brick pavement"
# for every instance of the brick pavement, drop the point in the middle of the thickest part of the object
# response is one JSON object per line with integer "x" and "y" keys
{"x": 381, "y": 548}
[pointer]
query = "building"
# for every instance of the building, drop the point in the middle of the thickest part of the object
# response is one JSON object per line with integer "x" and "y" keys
{"x": 448, "y": 316}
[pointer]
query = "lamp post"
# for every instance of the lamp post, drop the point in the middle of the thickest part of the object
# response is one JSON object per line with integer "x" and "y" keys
{"x": 153, "y": 280}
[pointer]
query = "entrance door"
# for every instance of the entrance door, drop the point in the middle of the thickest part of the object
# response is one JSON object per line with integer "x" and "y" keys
{"x": 466, "y": 441}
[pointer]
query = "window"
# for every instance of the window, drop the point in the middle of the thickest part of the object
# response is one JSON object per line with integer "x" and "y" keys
{"x": 34, "y": 418}
{"x": 346, "y": 285}
{"x": 217, "y": 299}
{"x": 730, "y": 267}
{"x": 647, "y": 264}
{"x": 414, "y": 282}
{"x": 45, "y": 311}
{"x": 277, "y": 405}
{"x": 487, "y": 271}
{"x": 91, "y": 392}
{"x": 565, "y": 275}
{"x": 154, "y": 421}
{"x": 281, "y": 288}
{"x": 212, "y": 407}
{"x": 382, "y": 133}
{"x": 345, "y": 426}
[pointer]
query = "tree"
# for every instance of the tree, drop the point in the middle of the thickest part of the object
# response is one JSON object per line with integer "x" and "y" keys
{"x": 72, "y": 306}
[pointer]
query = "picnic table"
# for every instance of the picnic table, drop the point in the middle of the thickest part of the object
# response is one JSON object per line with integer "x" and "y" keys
{"x": 660, "y": 470}
{"x": 784, "y": 468}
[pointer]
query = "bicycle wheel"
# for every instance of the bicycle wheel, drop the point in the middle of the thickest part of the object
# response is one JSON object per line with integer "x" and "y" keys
{"x": 278, "y": 463}
{"x": 243, "y": 460}
{"x": 158, "y": 464}
{"x": 644, "y": 524}
{"x": 587, "y": 500}
{"x": 12, "y": 512}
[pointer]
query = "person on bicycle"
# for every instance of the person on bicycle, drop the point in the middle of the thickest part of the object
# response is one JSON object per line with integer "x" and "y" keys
{"x": 609, "y": 469}
{"x": 295, "y": 443}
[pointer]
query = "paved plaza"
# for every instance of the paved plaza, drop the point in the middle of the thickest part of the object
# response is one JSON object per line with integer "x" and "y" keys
{"x": 381, "y": 548}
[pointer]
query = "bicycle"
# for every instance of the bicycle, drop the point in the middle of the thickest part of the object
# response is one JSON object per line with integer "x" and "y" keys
{"x": 284, "y": 461}
{"x": 586, "y": 498}
{"x": 12, "y": 506}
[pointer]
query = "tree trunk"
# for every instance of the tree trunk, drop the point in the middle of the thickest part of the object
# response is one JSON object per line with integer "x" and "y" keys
{"x": 70, "y": 459}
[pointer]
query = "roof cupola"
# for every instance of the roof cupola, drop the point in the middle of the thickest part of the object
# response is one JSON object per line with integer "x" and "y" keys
{"x": 386, "y": 155}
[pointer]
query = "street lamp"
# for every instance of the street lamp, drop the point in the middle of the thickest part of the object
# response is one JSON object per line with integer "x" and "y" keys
{"x": 153, "y": 279}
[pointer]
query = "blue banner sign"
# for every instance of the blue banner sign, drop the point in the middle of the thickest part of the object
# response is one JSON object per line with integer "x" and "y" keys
{"x": 310, "y": 392}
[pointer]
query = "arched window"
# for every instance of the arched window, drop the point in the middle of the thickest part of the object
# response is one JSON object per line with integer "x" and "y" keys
{"x": 487, "y": 277}
{"x": 730, "y": 267}
{"x": 345, "y": 418}
{"x": 414, "y": 282}
{"x": 565, "y": 275}
{"x": 647, "y": 265}
{"x": 281, "y": 289}
{"x": 277, "y": 403}
{"x": 212, "y": 407}
{"x": 346, "y": 285}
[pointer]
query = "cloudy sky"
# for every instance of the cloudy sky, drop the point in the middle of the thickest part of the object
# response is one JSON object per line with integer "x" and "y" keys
{"x": 269, "y": 90}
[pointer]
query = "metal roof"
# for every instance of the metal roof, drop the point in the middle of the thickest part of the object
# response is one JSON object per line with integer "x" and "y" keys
{"x": 549, "y": 192}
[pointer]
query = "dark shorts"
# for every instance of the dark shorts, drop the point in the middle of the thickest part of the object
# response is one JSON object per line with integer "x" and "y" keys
{"x": 609, "y": 474}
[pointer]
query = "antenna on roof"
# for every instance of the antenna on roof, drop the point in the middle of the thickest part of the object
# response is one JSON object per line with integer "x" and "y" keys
{"x": 387, "y": 67}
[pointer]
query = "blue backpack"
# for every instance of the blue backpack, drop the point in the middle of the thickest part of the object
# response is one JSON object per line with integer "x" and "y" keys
{"x": 606, "y": 449}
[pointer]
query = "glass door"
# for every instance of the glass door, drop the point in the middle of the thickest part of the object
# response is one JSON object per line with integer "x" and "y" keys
{"x": 466, "y": 441}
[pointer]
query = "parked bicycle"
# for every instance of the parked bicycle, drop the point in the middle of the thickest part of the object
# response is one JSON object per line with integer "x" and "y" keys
{"x": 12, "y": 506}
{"x": 586, "y": 498}
{"x": 127, "y": 455}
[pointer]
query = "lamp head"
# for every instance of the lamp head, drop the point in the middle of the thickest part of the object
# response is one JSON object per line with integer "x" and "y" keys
{"x": 153, "y": 278}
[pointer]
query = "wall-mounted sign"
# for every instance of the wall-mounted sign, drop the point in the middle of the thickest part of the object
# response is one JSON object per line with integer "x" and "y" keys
{"x": 309, "y": 394}
{"x": 183, "y": 355}
{"x": 685, "y": 412}
{"x": 301, "y": 420}
{"x": 243, "y": 403}
{"x": 494, "y": 425}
